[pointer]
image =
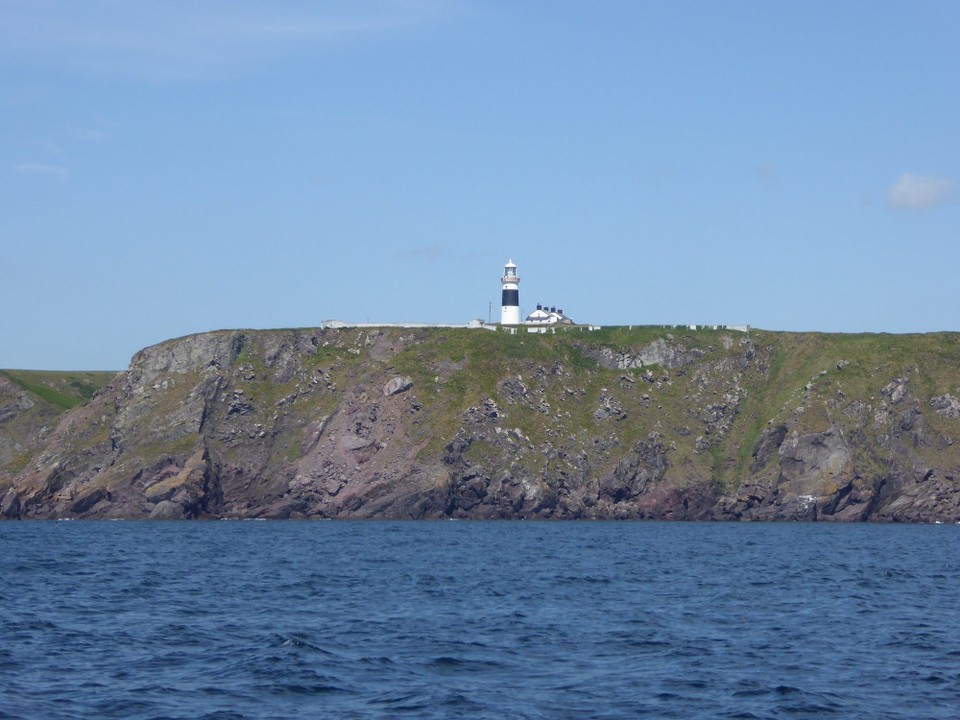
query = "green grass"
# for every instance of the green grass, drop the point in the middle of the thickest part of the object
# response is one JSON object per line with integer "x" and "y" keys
{"x": 64, "y": 390}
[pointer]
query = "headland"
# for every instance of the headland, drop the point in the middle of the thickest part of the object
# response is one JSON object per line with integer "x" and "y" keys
{"x": 417, "y": 422}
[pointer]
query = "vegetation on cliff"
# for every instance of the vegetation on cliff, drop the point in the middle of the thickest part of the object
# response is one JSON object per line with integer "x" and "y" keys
{"x": 440, "y": 422}
{"x": 31, "y": 402}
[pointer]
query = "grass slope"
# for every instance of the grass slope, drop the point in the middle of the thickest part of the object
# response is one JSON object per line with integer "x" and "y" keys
{"x": 64, "y": 390}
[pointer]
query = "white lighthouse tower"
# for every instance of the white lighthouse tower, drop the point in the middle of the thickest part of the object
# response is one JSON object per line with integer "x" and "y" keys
{"x": 510, "y": 307}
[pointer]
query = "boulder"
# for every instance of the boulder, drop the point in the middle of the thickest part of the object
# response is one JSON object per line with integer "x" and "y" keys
{"x": 167, "y": 510}
{"x": 397, "y": 385}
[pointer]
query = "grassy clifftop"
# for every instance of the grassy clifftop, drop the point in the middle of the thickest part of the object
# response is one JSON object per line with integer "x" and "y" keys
{"x": 62, "y": 390}
{"x": 437, "y": 422}
{"x": 31, "y": 402}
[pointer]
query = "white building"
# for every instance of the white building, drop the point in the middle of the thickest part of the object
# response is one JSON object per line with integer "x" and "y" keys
{"x": 547, "y": 316}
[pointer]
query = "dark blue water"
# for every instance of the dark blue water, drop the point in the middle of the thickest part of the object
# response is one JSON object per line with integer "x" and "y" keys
{"x": 484, "y": 620}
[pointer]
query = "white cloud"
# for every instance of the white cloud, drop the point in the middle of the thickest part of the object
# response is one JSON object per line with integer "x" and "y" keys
{"x": 921, "y": 192}
{"x": 184, "y": 39}
{"x": 56, "y": 172}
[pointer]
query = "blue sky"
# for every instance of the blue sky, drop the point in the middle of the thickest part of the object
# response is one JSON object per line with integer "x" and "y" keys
{"x": 170, "y": 167}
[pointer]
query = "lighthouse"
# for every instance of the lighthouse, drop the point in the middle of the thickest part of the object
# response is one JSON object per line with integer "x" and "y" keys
{"x": 510, "y": 307}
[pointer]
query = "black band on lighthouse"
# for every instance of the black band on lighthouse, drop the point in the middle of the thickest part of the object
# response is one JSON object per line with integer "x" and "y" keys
{"x": 511, "y": 298}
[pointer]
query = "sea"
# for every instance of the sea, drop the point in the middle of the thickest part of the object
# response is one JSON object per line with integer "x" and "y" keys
{"x": 309, "y": 619}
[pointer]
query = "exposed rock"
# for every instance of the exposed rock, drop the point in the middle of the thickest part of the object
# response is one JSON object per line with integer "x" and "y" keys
{"x": 659, "y": 352}
{"x": 88, "y": 501}
{"x": 947, "y": 406}
{"x": 397, "y": 385}
{"x": 801, "y": 477}
{"x": 814, "y": 469}
{"x": 767, "y": 446}
{"x": 909, "y": 419}
{"x": 645, "y": 464}
{"x": 895, "y": 390}
{"x": 513, "y": 390}
{"x": 815, "y": 465}
{"x": 23, "y": 402}
{"x": 10, "y": 505}
{"x": 608, "y": 407}
{"x": 166, "y": 510}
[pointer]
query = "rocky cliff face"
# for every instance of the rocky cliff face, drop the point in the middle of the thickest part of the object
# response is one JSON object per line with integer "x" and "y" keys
{"x": 433, "y": 423}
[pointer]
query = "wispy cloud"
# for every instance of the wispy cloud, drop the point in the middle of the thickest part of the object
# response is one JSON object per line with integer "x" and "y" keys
{"x": 921, "y": 192}
{"x": 184, "y": 39}
{"x": 56, "y": 172}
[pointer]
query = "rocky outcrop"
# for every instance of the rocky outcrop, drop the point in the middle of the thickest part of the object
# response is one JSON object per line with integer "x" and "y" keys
{"x": 813, "y": 478}
{"x": 660, "y": 352}
{"x": 946, "y": 406}
{"x": 433, "y": 423}
{"x": 10, "y": 505}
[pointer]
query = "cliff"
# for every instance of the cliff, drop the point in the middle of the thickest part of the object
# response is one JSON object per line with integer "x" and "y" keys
{"x": 434, "y": 423}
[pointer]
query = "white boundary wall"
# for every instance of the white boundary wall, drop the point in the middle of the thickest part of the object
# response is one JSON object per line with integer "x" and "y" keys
{"x": 533, "y": 327}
